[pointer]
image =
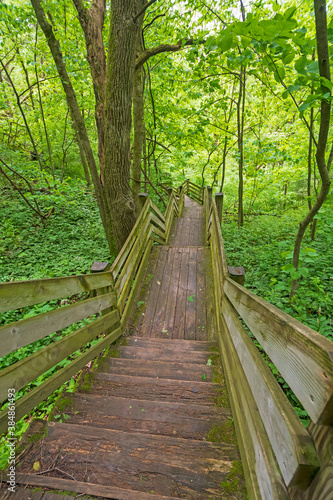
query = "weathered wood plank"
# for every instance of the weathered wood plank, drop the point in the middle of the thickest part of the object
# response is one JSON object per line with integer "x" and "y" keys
{"x": 164, "y": 353}
{"x": 86, "y": 488}
{"x": 152, "y": 388}
{"x": 161, "y": 305}
{"x": 132, "y": 257}
{"x": 28, "y": 369}
{"x": 263, "y": 479}
{"x": 157, "y": 211}
{"x": 170, "y": 306}
{"x": 181, "y": 345}
{"x": 293, "y": 447}
{"x": 191, "y": 299}
{"x": 179, "y": 323}
{"x": 190, "y": 467}
{"x": 158, "y": 232}
{"x": 124, "y": 252}
{"x": 160, "y": 369}
{"x": 157, "y": 221}
{"x": 27, "y": 293}
{"x": 131, "y": 267}
{"x": 21, "y": 333}
{"x": 201, "y": 323}
{"x": 302, "y": 356}
{"x": 154, "y": 290}
{"x": 38, "y": 394}
{"x": 188, "y": 421}
{"x": 321, "y": 487}
{"x": 144, "y": 262}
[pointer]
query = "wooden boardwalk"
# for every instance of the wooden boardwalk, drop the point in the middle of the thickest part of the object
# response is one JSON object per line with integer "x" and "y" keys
{"x": 178, "y": 300}
{"x": 140, "y": 429}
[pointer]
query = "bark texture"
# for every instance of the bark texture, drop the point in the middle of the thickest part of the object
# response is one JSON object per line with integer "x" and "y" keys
{"x": 92, "y": 23}
{"x": 124, "y": 33}
{"x": 139, "y": 130}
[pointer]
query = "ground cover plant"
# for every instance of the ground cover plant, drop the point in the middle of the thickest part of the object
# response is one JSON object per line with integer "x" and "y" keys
{"x": 264, "y": 247}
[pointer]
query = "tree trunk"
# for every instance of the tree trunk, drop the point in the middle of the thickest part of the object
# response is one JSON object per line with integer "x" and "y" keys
{"x": 240, "y": 125}
{"x": 139, "y": 128}
{"x": 76, "y": 115}
{"x": 92, "y": 23}
{"x": 325, "y": 108}
{"x": 124, "y": 32}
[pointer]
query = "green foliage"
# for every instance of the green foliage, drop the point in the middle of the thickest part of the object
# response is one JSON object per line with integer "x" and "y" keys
{"x": 71, "y": 239}
{"x": 264, "y": 247}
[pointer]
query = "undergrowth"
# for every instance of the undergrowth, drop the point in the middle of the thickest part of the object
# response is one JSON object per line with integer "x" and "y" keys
{"x": 66, "y": 243}
{"x": 264, "y": 247}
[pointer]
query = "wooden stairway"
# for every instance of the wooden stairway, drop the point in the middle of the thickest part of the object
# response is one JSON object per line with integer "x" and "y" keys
{"x": 140, "y": 431}
{"x": 154, "y": 421}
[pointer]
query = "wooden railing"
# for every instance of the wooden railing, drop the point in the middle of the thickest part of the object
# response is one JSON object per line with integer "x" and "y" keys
{"x": 281, "y": 458}
{"x": 114, "y": 292}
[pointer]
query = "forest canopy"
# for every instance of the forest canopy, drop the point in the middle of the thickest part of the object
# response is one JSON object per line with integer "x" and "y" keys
{"x": 103, "y": 100}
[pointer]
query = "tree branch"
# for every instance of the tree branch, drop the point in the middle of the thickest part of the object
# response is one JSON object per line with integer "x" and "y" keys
{"x": 148, "y": 53}
{"x": 143, "y": 10}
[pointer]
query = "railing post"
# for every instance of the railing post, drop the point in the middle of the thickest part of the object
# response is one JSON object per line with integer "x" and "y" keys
{"x": 169, "y": 192}
{"x": 100, "y": 267}
{"x": 187, "y": 185}
{"x": 237, "y": 274}
{"x": 219, "y": 204}
{"x": 210, "y": 195}
{"x": 142, "y": 200}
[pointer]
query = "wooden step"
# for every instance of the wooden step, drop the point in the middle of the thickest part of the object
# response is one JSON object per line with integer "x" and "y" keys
{"x": 164, "y": 353}
{"x": 148, "y": 388}
{"x": 162, "y": 464}
{"x": 183, "y": 420}
{"x": 159, "y": 369}
{"x": 82, "y": 488}
{"x": 177, "y": 344}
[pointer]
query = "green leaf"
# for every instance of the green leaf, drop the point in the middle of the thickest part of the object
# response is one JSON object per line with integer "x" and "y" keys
{"x": 327, "y": 83}
{"x": 289, "y": 57}
{"x": 313, "y": 67}
{"x": 293, "y": 88}
{"x": 295, "y": 275}
{"x": 191, "y": 298}
{"x": 289, "y": 12}
{"x": 224, "y": 42}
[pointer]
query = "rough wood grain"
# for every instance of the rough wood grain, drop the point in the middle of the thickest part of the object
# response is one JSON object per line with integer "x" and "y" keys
{"x": 124, "y": 252}
{"x": 321, "y": 487}
{"x": 183, "y": 345}
{"x": 160, "y": 369}
{"x": 27, "y": 293}
{"x": 140, "y": 273}
{"x": 184, "y": 420}
{"x": 302, "y": 356}
{"x": 164, "y": 353}
{"x": 21, "y": 333}
{"x": 191, "y": 299}
{"x": 263, "y": 479}
{"x": 30, "y": 368}
{"x": 170, "y": 464}
{"x": 147, "y": 388}
{"x": 87, "y": 488}
{"x": 41, "y": 392}
{"x": 292, "y": 445}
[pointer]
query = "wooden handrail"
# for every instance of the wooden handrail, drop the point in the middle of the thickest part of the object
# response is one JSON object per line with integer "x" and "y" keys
{"x": 18, "y": 294}
{"x": 115, "y": 291}
{"x": 302, "y": 356}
